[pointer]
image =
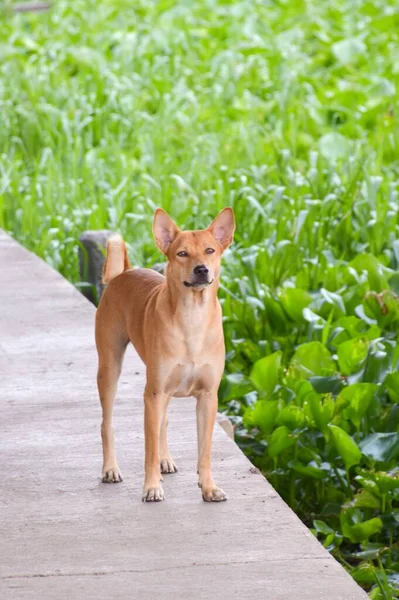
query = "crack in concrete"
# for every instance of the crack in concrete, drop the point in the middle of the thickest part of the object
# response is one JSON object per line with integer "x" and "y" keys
{"x": 176, "y": 567}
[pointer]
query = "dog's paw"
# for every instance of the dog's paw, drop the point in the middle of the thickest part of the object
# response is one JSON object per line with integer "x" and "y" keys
{"x": 112, "y": 475}
{"x": 168, "y": 466}
{"x": 153, "y": 495}
{"x": 215, "y": 494}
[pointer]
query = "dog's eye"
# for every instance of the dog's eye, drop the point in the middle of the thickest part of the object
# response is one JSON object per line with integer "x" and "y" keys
{"x": 209, "y": 251}
{"x": 182, "y": 253}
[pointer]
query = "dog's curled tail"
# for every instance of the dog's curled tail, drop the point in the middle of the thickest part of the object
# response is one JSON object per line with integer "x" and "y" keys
{"x": 117, "y": 260}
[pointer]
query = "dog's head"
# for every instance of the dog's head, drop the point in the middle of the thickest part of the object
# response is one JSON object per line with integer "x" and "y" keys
{"x": 193, "y": 256}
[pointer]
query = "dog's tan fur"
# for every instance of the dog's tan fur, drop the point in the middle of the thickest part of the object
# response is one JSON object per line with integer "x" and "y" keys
{"x": 175, "y": 324}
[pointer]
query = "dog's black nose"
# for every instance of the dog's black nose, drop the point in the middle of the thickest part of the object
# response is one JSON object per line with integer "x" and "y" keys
{"x": 201, "y": 270}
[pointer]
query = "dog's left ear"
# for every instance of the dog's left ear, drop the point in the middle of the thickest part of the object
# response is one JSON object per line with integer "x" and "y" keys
{"x": 164, "y": 229}
{"x": 222, "y": 228}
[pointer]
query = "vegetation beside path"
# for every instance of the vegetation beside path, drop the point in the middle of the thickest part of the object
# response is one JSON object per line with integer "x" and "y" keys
{"x": 287, "y": 111}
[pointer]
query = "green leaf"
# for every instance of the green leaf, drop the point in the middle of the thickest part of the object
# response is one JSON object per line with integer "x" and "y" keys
{"x": 349, "y": 50}
{"x": 371, "y": 551}
{"x": 345, "y": 446}
{"x": 383, "y": 308}
{"x": 333, "y": 299}
{"x": 283, "y": 262}
{"x": 364, "y": 499}
{"x": 364, "y": 574}
{"x": 322, "y": 410}
{"x": 262, "y": 415}
{"x": 383, "y": 88}
{"x": 265, "y": 373}
{"x": 327, "y": 385}
{"x": 291, "y": 416}
{"x": 294, "y": 300}
{"x": 333, "y": 146}
{"x": 374, "y": 269}
{"x": 316, "y": 320}
{"x": 313, "y": 359}
{"x": 362, "y": 531}
{"x": 322, "y": 527}
{"x": 351, "y": 355}
{"x": 275, "y": 314}
{"x": 352, "y": 325}
{"x": 391, "y": 384}
{"x": 394, "y": 283}
{"x": 332, "y": 541}
{"x": 281, "y": 440}
{"x": 395, "y": 248}
{"x": 367, "y": 482}
{"x": 377, "y": 366}
{"x": 308, "y": 470}
{"x": 357, "y": 399}
{"x": 381, "y": 447}
{"x": 386, "y": 481}
{"x": 377, "y": 592}
{"x": 234, "y": 385}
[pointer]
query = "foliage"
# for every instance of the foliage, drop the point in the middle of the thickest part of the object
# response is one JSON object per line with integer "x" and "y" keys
{"x": 286, "y": 111}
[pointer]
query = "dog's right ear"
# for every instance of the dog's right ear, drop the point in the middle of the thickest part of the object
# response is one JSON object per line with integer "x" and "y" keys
{"x": 164, "y": 230}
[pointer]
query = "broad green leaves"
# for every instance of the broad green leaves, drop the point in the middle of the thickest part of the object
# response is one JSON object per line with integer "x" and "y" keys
{"x": 355, "y": 401}
{"x": 351, "y": 355}
{"x": 327, "y": 416}
{"x": 346, "y": 446}
{"x": 280, "y": 440}
{"x": 381, "y": 447}
{"x": 313, "y": 359}
{"x": 321, "y": 410}
{"x": 365, "y": 499}
{"x": 262, "y": 415}
{"x": 293, "y": 417}
{"x": 294, "y": 301}
{"x": 362, "y": 531}
{"x": 265, "y": 373}
{"x": 391, "y": 383}
{"x": 349, "y": 50}
{"x": 379, "y": 482}
{"x": 333, "y": 146}
{"x": 369, "y": 264}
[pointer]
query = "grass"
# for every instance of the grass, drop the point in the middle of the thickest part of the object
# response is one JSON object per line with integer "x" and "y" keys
{"x": 286, "y": 111}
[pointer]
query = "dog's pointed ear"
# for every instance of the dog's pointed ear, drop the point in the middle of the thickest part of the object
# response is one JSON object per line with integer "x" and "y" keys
{"x": 222, "y": 228}
{"x": 164, "y": 230}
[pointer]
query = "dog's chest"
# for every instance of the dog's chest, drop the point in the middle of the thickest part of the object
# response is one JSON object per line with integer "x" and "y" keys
{"x": 188, "y": 378}
{"x": 196, "y": 356}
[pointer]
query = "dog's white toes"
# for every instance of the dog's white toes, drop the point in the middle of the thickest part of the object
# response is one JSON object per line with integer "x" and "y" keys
{"x": 153, "y": 495}
{"x": 213, "y": 495}
{"x": 168, "y": 466}
{"x": 112, "y": 476}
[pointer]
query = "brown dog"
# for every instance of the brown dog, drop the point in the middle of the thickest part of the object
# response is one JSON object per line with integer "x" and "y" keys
{"x": 175, "y": 324}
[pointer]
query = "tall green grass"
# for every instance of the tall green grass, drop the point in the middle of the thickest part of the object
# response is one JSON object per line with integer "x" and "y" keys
{"x": 287, "y": 111}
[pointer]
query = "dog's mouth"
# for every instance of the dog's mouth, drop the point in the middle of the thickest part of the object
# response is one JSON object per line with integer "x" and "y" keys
{"x": 196, "y": 284}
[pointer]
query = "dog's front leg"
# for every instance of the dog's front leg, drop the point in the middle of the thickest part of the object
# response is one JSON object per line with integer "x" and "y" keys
{"x": 154, "y": 404}
{"x": 207, "y": 403}
{"x": 168, "y": 465}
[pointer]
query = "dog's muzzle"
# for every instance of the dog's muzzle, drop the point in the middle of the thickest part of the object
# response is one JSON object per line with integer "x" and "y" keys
{"x": 197, "y": 283}
{"x": 200, "y": 277}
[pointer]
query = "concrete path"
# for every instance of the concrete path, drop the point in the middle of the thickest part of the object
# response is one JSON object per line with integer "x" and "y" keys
{"x": 65, "y": 535}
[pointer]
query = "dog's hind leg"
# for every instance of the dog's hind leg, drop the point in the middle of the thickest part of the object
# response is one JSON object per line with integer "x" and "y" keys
{"x": 110, "y": 359}
{"x": 168, "y": 465}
